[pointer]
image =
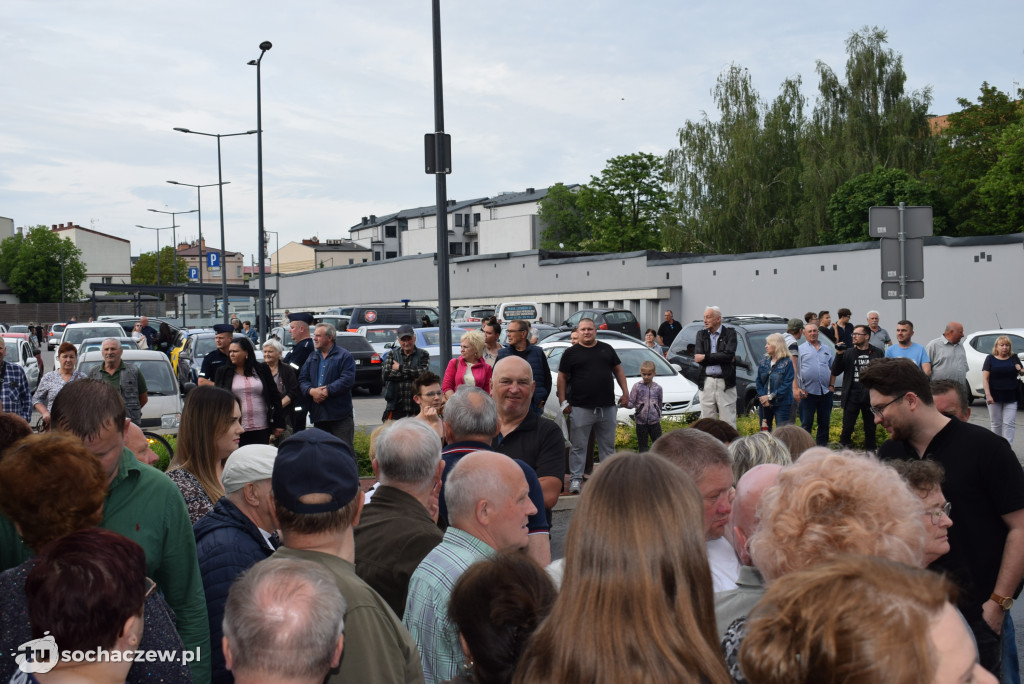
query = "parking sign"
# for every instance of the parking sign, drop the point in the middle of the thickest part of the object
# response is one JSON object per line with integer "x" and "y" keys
{"x": 213, "y": 260}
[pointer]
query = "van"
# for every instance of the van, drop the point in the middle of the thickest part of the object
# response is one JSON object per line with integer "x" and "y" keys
{"x": 392, "y": 314}
{"x": 518, "y": 311}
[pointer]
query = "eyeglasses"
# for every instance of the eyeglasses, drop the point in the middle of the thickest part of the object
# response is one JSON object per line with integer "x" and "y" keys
{"x": 879, "y": 410}
{"x": 435, "y": 393}
{"x": 939, "y": 512}
{"x": 150, "y": 588}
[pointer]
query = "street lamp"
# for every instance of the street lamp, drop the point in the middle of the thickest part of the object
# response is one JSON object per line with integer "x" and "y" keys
{"x": 262, "y": 310}
{"x": 199, "y": 202}
{"x": 220, "y": 183}
{"x": 174, "y": 252}
{"x": 277, "y": 269}
{"x": 157, "y": 247}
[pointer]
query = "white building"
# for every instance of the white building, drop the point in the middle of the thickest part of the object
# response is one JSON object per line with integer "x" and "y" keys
{"x": 107, "y": 259}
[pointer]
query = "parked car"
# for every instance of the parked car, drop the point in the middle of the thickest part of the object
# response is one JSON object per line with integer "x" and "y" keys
{"x": 429, "y": 339}
{"x": 197, "y": 344}
{"x": 471, "y": 314}
{"x": 978, "y": 345}
{"x": 517, "y": 311}
{"x": 558, "y": 335}
{"x": 392, "y": 314}
{"x": 368, "y": 361}
{"x": 53, "y": 337}
{"x": 620, "y": 320}
{"x": 543, "y": 331}
{"x": 379, "y": 336}
{"x": 162, "y": 413}
{"x": 20, "y": 353}
{"x": 96, "y": 343}
{"x": 76, "y": 332}
{"x": 680, "y": 396}
{"x": 751, "y": 333}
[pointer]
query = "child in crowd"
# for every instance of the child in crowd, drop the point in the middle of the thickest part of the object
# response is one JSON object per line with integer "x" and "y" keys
{"x": 646, "y": 397}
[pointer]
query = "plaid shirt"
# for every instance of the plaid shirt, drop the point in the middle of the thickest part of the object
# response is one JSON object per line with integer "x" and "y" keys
{"x": 426, "y": 608}
{"x": 399, "y": 396}
{"x": 14, "y": 394}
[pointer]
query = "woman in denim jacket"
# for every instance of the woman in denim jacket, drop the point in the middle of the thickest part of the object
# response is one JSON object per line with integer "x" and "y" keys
{"x": 775, "y": 382}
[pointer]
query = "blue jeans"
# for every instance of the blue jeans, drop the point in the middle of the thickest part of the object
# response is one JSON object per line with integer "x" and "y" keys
{"x": 819, "y": 405}
{"x": 1011, "y": 666}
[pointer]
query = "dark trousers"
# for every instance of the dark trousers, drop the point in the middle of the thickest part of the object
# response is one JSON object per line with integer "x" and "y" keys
{"x": 645, "y": 431}
{"x": 850, "y": 413}
{"x": 819, "y": 405}
{"x": 990, "y": 646}
{"x": 299, "y": 420}
{"x": 780, "y": 415}
{"x": 344, "y": 429}
{"x": 254, "y": 437}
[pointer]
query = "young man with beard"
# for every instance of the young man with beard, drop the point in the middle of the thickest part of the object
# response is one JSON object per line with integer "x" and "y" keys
{"x": 850, "y": 364}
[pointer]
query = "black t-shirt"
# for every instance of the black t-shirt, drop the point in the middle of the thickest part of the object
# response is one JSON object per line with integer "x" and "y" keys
{"x": 668, "y": 331}
{"x": 589, "y": 371}
{"x": 984, "y": 481}
{"x": 538, "y": 442}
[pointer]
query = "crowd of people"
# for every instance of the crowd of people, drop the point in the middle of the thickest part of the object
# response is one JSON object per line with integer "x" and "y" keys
{"x": 711, "y": 557}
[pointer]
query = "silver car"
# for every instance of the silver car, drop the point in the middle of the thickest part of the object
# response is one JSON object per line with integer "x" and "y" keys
{"x": 19, "y": 352}
{"x": 162, "y": 413}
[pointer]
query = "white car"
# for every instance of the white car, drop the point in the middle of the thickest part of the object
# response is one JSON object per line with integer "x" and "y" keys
{"x": 19, "y": 352}
{"x": 679, "y": 395}
{"x": 162, "y": 413}
{"x": 978, "y": 345}
{"x": 379, "y": 336}
{"x": 76, "y": 333}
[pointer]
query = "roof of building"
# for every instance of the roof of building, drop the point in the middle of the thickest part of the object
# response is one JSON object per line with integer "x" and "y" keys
{"x": 530, "y": 195}
{"x": 71, "y": 226}
{"x": 194, "y": 251}
{"x": 416, "y": 212}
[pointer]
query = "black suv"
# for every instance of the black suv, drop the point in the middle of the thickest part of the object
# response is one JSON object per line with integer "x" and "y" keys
{"x": 751, "y": 333}
{"x": 416, "y": 316}
{"x": 620, "y": 320}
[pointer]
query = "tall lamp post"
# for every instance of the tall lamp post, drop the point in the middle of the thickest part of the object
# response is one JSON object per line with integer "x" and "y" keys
{"x": 174, "y": 252}
{"x": 199, "y": 203}
{"x": 220, "y": 183}
{"x": 157, "y": 248}
{"x": 262, "y": 310}
{"x": 277, "y": 268}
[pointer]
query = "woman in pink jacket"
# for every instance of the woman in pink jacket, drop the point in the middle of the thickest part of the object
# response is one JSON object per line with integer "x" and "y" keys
{"x": 469, "y": 368}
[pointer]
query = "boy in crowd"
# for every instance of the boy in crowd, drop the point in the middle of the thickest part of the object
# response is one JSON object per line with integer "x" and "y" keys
{"x": 646, "y": 398}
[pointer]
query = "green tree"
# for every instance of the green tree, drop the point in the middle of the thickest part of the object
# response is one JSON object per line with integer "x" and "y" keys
{"x": 865, "y": 122}
{"x": 562, "y": 220}
{"x": 848, "y": 206}
{"x": 623, "y": 206}
{"x": 31, "y": 266}
{"x": 968, "y": 148}
{"x": 144, "y": 272}
{"x": 736, "y": 180}
{"x": 1002, "y": 187}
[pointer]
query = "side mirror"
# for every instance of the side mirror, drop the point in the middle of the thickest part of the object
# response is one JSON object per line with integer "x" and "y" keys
{"x": 187, "y": 387}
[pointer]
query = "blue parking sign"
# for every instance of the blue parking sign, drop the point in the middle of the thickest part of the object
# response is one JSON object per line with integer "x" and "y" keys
{"x": 213, "y": 260}
{"x": 193, "y": 273}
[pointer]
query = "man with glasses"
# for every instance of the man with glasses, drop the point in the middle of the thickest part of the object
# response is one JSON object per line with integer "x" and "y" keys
{"x": 855, "y": 401}
{"x": 984, "y": 483}
{"x": 430, "y": 398}
{"x": 519, "y": 345}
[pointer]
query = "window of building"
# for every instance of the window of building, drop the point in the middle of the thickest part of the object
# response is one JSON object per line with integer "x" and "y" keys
{"x": 390, "y": 231}
{"x": 391, "y": 255}
{"x": 476, "y": 248}
{"x": 376, "y": 256}
{"x": 476, "y": 220}
{"x": 108, "y": 280}
{"x": 239, "y": 273}
{"x": 458, "y": 220}
{"x": 455, "y": 248}
{"x": 351, "y": 261}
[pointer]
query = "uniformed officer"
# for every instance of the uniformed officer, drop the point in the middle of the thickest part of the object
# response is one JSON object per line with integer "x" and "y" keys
{"x": 225, "y": 332}
{"x": 298, "y": 326}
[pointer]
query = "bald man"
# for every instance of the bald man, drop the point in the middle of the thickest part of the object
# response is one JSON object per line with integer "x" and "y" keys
{"x": 137, "y": 443}
{"x": 949, "y": 360}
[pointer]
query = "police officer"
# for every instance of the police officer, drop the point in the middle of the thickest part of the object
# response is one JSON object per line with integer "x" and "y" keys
{"x": 225, "y": 332}
{"x": 298, "y": 326}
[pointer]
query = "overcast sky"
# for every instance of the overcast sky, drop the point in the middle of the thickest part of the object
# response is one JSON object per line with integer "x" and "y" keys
{"x": 535, "y": 92}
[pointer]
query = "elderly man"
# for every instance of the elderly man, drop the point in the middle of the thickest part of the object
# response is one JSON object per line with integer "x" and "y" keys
{"x": 401, "y": 368}
{"x": 984, "y": 483}
{"x": 471, "y": 422}
{"x": 326, "y": 382}
{"x": 316, "y": 497}
{"x": 298, "y": 328}
{"x": 879, "y": 335}
{"x": 519, "y": 345}
{"x": 709, "y": 465}
{"x": 588, "y": 372}
{"x": 15, "y": 396}
{"x": 950, "y": 399}
{"x": 949, "y": 360}
{"x": 136, "y": 442}
{"x": 239, "y": 532}
{"x": 812, "y": 386}
{"x": 223, "y": 334}
{"x": 737, "y": 602}
{"x": 398, "y": 527}
{"x": 123, "y": 377}
{"x": 715, "y": 352}
{"x": 284, "y": 622}
{"x": 538, "y": 442}
{"x": 905, "y": 348}
{"x": 148, "y": 332}
{"x": 489, "y": 503}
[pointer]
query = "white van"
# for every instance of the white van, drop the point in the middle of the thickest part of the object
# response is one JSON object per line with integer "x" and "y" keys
{"x": 518, "y": 311}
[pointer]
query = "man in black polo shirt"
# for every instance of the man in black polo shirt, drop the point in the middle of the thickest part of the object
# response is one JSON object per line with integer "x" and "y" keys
{"x": 225, "y": 332}
{"x": 523, "y": 434}
{"x": 984, "y": 483}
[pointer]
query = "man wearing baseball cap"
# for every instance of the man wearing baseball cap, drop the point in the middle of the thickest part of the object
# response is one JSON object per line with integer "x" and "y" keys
{"x": 239, "y": 532}
{"x": 316, "y": 496}
{"x": 401, "y": 368}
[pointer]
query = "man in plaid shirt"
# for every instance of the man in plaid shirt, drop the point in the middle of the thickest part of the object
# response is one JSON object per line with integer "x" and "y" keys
{"x": 14, "y": 394}
{"x": 402, "y": 368}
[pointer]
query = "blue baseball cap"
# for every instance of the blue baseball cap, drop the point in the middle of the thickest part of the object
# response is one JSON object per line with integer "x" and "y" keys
{"x": 314, "y": 462}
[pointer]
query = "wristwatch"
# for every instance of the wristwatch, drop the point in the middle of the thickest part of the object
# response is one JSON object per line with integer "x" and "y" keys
{"x": 1005, "y": 602}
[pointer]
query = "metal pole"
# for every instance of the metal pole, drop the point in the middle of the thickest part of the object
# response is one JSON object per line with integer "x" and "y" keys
{"x": 62, "y": 288}
{"x": 443, "y": 295}
{"x": 223, "y": 266}
{"x": 261, "y": 313}
{"x": 174, "y": 262}
{"x": 202, "y": 266}
{"x": 903, "y": 265}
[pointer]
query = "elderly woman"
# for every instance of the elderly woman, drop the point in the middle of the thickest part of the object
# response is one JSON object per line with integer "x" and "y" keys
{"x": 1000, "y": 372}
{"x": 54, "y": 381}
{"x": 859, "y": 620}
{"x": 827, "y": 504}
{"x": 757, "y": 449}
{"x": 775, "y": 382}
{"x": 469, "y": 368}
{"x": 52, "y": 487}
{"x": 925, "y": 479}
{"x": 285, "y": 377}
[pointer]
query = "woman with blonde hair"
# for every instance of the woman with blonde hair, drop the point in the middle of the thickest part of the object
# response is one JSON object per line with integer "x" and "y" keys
{"x": 999, "y": 373}
{"x": 859, "y": 620}
{"x": 210, "y": 430}
{"x": 757, "y": 449}
{"x": 636, "y": 601}
{"x": 774, "y": 382}
{"x": 469, "y": 368}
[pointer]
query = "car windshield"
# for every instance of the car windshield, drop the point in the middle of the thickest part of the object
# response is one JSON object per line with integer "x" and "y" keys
{"x": 76, "y": 335}
{"x": 159, "y": 377}
{"x": 97, "y": 345}
{"x": 380, "y": 336}
{"x": 205, "y": 345}
{"x": 432, "y": 338}
{"x": 632, "y": 358}
{"x": 619, "y": 317}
